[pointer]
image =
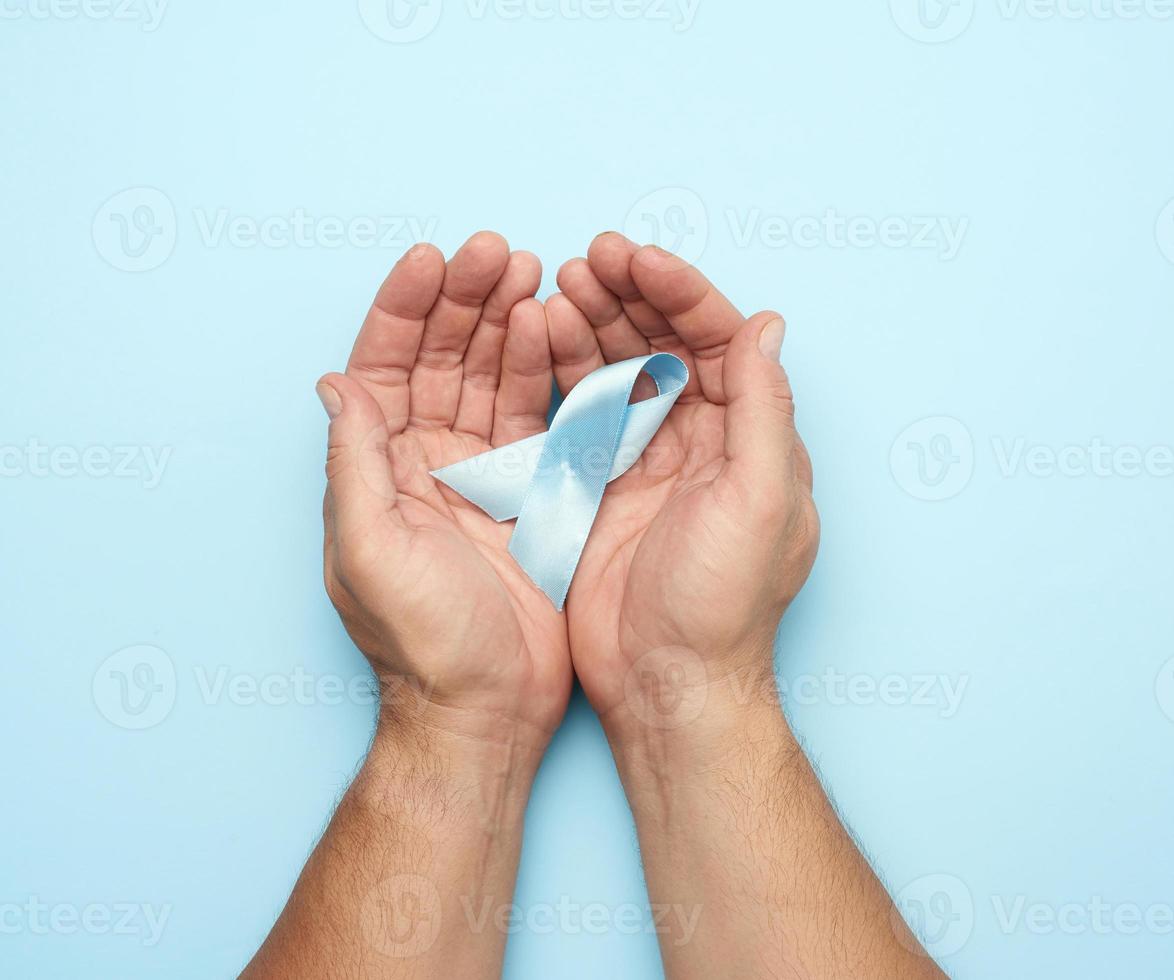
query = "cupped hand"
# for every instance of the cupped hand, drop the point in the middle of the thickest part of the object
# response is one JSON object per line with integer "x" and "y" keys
{"x": 451, "y": 361}
{"x": 698, "y": 549}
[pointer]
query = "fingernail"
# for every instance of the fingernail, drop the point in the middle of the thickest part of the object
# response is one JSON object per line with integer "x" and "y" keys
{"x": 331, "y": 400}
{"x": 770, "y": 341}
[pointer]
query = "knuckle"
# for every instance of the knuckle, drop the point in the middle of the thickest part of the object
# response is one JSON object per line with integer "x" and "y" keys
{"x": 777, "y": 400}
{"x": 336, "y": 461}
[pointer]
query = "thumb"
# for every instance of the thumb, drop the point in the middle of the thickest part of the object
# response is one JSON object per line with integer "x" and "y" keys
{"x": 760, "y": 410}
{"x": 358, "y": 470}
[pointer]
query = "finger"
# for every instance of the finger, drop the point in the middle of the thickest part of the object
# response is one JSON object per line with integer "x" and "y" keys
{"x": 482, "y": 368}
{"x": 385, "y": 349}
{"x": 469, "y": 278}
{"x": 610, "y": 258}
{"x": 361, "y": 491}
{"x": 760, "y": 435}
{"x": 523, "y": 398}
{"x": 618, "y": 339}
{"x": 701, "y": 316}
{"x": 573, "y": 344}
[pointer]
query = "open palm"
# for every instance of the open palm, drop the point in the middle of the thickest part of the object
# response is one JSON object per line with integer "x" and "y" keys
{"x": 704, "y": 541}
{"x": 451, "y": 361}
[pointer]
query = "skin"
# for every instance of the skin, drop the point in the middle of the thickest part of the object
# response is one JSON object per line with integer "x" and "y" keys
{"x": 694, "y": 556}
{"x": 452, "y": 360}
{"x": 472, "y": 659}
{"x": 702, "y": 545}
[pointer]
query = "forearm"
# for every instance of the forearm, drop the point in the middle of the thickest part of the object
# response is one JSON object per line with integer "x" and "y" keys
{"x": 732, "y": 820}
{"x": 426, "y": 838}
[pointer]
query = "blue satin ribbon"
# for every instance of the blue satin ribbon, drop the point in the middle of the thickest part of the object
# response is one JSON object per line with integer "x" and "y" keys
{"x": 553, "y": 482}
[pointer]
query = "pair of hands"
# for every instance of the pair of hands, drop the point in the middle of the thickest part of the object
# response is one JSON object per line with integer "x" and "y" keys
{"x": 694, "y": 554}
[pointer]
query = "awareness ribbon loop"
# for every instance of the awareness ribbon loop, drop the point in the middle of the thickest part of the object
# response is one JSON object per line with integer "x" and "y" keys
{"x": 553, "y": 482}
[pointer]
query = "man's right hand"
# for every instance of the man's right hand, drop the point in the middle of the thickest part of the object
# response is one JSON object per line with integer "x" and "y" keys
{"x": 697, "y": 550}
{"x": 694, "y": 556}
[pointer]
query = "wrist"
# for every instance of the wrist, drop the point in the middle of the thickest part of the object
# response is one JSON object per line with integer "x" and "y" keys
{"x": 686, "y": 723}
{"x": 449, "y": 773}
{"x": 674, "y": 697}
{"x": 468, "y": 726}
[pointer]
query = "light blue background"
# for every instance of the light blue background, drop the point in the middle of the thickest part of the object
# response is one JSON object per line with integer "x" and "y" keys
{"x": 1049, "y": 139}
